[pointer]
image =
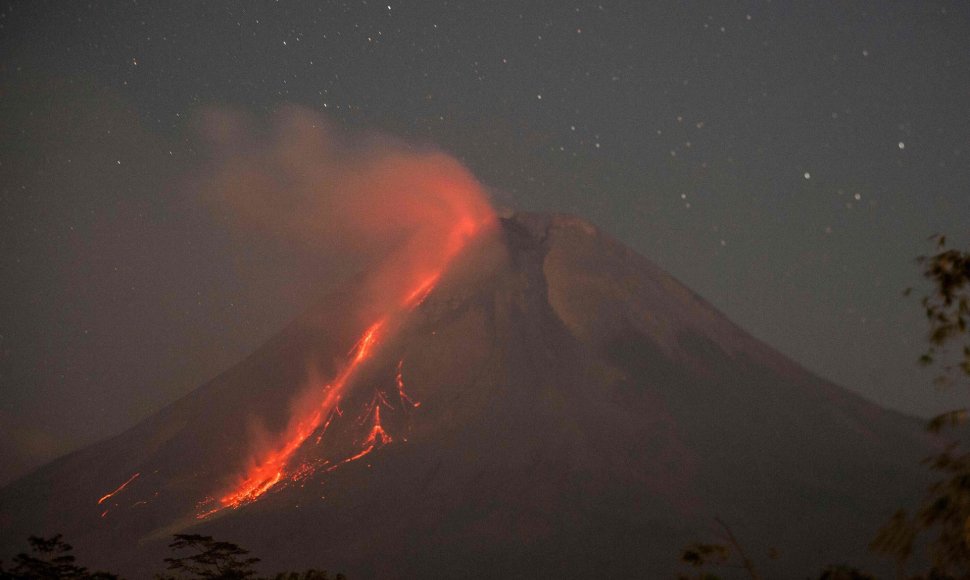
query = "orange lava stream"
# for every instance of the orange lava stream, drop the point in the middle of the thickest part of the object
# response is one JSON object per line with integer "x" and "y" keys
{"x": 326, "y": 425}
{"x": 377, "y": 437}
{"x": 111, "y": 494}
{"x": 270, "y": 468}
{"x": 400, "y": 386}
{"x": 418, "y": 295}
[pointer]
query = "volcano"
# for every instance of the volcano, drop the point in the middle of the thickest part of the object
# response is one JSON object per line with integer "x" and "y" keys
{"x": 554, "y": 405}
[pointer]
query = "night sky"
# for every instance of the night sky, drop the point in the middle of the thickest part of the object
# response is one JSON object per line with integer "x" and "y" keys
{"x": 786, "y": 160}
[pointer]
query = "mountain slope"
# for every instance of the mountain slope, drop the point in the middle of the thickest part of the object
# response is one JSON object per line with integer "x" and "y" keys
{"x": 556, "y": 406}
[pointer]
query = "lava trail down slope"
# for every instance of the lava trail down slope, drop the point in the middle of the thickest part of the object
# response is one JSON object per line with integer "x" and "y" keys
{"x": 551, "y": 405}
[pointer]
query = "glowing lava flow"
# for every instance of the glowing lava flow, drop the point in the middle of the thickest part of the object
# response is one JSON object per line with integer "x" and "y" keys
{"x": 375, "y": 438}
{"x": 418, "y": 295}
{"x": 111, "y": 494}
{"x": 400, "y": 386}
{"x": 271, "y": 468}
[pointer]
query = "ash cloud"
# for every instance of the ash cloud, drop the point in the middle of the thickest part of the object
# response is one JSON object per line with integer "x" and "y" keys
{"x": 362, "y": 200}
{"x": 400, "y": 213}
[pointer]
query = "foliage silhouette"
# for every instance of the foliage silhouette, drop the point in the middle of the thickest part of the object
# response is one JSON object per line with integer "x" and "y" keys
{"x": 946, "y": 506}
{"x": 701, "y": 555}
{"x": 210, "y": 559}
{"x": 308, "y": 575}
{"x": 49, "y": 558}
{"x": 844, "y": 573}
{"x": 213, "y": 559}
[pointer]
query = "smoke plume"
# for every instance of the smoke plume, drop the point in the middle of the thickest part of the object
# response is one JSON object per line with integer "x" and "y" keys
{"x": 403, "y": 213}
{"x": 388, "y": 205}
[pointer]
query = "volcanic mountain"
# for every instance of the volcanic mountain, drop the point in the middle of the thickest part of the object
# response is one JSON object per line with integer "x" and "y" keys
{"x": 554, "y": 406}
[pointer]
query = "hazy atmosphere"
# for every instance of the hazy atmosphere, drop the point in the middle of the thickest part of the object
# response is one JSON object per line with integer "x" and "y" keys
{"x": 787, "y": 161}
{"x": 457, "y": 289}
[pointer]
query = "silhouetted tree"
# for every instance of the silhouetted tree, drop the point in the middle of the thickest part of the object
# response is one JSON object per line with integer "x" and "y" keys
{"x": 49, "y": 558}
{"x": 946, "y": 506}
{"x": 308, "y": 575}
{"x": 213, "y": 559}
{"x": 701, "y": 555}
{"x": 844, "y": 573}
{"x": 718, "y": 555}
{"x": 210, "y": 559}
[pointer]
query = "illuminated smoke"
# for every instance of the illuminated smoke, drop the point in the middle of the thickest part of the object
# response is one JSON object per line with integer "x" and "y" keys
{"x": 405, "y": 213}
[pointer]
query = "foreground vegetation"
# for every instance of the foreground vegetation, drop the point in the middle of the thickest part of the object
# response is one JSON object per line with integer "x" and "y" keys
{"x": 943, "y": 514}
{"x": 198, "y": 557}
{"x": 941, "y": 520}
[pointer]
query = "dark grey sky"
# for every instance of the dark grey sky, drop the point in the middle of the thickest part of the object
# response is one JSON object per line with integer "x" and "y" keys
{"x": 787, "y": 160}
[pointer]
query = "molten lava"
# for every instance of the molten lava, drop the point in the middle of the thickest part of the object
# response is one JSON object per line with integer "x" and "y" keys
{"x": 424, "y": 288}
{"x": 409, "y": 211}
{"x": 400, "y": 386}
{"x": 273, "y": 466}
{"x": 117, "y": 490}
{"x": 377, "y": 437}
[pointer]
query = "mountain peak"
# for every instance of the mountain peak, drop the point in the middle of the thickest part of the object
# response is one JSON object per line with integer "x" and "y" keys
{"x": 557, "y": 406}
{"x": 597, "y": 285}
{"x": 538, "y": 224}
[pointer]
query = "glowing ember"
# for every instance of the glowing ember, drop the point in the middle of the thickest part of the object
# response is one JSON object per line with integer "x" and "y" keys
{"x": 302, "y": 472}
{"x": 366, "y": 343}
{"x": 377, "y": 437}
{"x": 400, "y": 386}
{"x": 323, "y": 431}
{"x": 377, "y": 433}
{"x": 383, "y": 399}
{"x": 421, "y": 292}
{"x": 111, "y": 494}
